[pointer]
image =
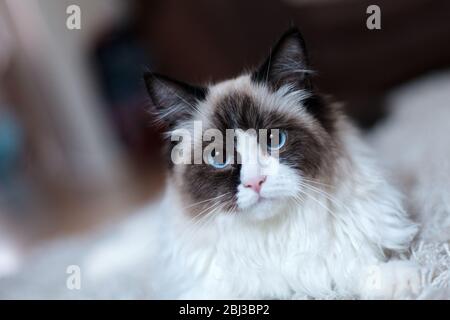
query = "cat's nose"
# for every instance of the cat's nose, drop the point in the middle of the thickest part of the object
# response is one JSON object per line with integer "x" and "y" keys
{"x": 255, "y": 183}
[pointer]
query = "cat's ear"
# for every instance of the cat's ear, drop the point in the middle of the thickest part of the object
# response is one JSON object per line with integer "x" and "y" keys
{"x": 174, "y": 101}
{"x": 287, "y": 63}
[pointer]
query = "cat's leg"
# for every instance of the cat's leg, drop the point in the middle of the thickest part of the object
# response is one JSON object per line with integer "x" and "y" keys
{"x": 395, "y": 279}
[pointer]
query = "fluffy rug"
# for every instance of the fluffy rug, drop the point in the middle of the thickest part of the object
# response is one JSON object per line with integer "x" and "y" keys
{"x": 434, "y": 258}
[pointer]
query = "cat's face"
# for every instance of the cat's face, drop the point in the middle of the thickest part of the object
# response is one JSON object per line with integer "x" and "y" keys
{"x": 282, "y": 141}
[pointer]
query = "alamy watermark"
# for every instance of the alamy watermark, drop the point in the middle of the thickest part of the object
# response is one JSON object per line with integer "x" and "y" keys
{"x": 212, "y": 146}
{"x": 73, "y": 21}
{"x": 73, "y": 281}
{"x": 373, "y": 21}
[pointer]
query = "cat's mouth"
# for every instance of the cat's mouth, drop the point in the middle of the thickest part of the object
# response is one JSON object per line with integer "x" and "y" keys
{"x": 262, "y": 209}
{"x": 264, "y": 199}
{"x": 259, "y": 203}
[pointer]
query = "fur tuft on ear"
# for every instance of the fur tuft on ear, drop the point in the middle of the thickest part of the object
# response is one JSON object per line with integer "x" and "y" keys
{"x": 287, "y": 63}
{"x": 174, "y": 101}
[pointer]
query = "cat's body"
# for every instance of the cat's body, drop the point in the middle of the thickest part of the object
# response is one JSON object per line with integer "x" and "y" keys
{"x": 320, "y": 221}
{"x": 413, "y": 144}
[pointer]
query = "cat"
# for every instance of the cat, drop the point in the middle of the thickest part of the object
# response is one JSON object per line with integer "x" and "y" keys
{"x": 319, "y": 222}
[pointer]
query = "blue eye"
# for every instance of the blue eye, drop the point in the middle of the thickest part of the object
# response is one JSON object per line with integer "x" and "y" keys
{"x": 274, "y": 142}
{"x": 216, "y": 160}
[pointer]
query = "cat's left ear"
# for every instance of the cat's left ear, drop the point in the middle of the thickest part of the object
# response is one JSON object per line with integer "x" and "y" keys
{"x": 287, "y": 64}
{"x": 174, "y": 101}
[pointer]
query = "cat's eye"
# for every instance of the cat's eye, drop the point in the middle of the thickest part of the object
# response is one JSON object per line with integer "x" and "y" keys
{"x": 276, "y": 139}
{"x": 217, "y": 160}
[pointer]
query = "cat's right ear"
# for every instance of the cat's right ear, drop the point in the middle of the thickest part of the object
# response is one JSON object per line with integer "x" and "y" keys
{"x": 173, "y": 101}
{"x": 287, "y": 64}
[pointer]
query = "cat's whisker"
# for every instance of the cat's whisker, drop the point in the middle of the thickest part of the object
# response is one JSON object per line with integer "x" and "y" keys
{"x": 270, "y": 61}
{"x": 327, "y": 195}
{"x": 280, "y": 177}
{"x": 202, "y": 214}
{"x": 210, "y": 215}
{"x": 203, "y": 222}
{"x": 320, "y": 204}
{"x": 319, "y": 183}
{"x": 232, "y": 210}
{"x": 201, "y": 218}
{"x": 198, "y": 217}
{"x": 207, "y": 200}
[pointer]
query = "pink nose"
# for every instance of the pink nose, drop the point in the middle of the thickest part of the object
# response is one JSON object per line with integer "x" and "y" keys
{"x": 255, "y": 183}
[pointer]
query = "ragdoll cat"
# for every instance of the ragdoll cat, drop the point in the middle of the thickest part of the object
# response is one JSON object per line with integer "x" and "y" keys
{"x": 317, "y": 221}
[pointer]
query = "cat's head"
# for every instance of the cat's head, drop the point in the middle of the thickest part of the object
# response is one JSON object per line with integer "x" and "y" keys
{"x": 277, "y": 101}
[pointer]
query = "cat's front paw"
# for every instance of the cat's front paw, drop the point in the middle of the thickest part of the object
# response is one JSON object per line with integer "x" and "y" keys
{"x": 392, "y": 280}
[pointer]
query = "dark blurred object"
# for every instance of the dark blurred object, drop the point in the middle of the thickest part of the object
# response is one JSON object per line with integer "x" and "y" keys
{"x": 11, "y": 149}
{"x": 10, "y": 144}
{"x": 120, "y": 61}
{"x": 213, "y": 40}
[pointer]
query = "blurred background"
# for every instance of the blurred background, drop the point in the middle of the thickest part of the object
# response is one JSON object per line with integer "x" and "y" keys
{"x": 78, "y": 149}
